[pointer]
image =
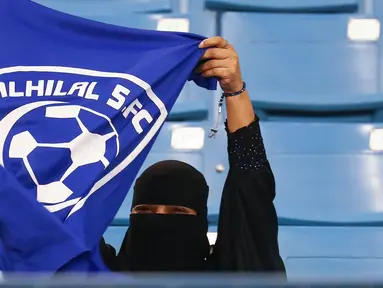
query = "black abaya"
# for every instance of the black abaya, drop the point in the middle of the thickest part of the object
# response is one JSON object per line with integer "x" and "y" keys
{"x": 247, "y": 238}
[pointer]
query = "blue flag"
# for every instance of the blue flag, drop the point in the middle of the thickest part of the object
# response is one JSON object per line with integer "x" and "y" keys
{"x": 81, "y": 104}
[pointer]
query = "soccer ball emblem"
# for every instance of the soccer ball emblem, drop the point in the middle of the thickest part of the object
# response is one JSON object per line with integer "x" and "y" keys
{"x": 86, "y": 148}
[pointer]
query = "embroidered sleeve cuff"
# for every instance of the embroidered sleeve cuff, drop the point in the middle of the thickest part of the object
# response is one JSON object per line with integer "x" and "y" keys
{"x": 245, "y": 148}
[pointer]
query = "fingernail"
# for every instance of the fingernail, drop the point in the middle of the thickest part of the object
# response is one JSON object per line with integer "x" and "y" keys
{"x": 201, "y": 44}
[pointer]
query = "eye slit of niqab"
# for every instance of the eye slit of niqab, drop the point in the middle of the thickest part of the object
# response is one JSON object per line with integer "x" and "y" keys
{"x": 182, "y": 210}
{"x": 162, "y": 209}
{"x": 142, "y": 209}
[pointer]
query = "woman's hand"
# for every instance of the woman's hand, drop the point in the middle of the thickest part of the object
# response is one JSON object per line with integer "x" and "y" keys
{"x": 221, "y": 61}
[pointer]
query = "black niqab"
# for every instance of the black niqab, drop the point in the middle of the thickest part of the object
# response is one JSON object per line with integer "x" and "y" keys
{"x": 171, "y": 242}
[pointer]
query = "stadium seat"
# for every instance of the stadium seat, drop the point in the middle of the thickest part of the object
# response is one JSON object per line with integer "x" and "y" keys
{"x": 286, "y": 6}
{"x": 336, "y": 174}
{"x": 86, "y": 8}
{"x": 329, "y": 201}
{"x": 128, "y": 13}
{"x": 332, "y": 252}
{"x": 303, "y": 67}
{"x": 376, "y": 10}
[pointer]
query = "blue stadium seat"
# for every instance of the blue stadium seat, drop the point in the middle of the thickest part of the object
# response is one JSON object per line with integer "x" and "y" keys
{"x": 286, "y": 6}
{"x": 329, "y": 199}
{"x": 332, "y": 252}
{"x": 86, "y": 8}
{"x": 305, "y": 63}
{"x": 128, "y": 13}
{"x": 377, "y": 8}
{"x": 325, "y": 172}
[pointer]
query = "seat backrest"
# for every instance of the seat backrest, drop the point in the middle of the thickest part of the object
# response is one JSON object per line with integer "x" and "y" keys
{"x": 326, "y": 174}
{"x": 377, "y": 8}
{"x": 143, "y": 14}
{"x": 328, "y": 198}
{"x": 303, "y": 66}
{"x": 86, "y": 8}
{"x": 285, "y": 6}
{"x": 352, "y": 253}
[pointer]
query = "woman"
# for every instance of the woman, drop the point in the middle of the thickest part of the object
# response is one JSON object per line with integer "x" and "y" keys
{"x": 168, "y": 222}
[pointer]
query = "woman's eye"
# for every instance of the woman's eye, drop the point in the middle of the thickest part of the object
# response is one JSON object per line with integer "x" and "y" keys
{"x": 180, "y": 211}
{"x": 143, "y": 210}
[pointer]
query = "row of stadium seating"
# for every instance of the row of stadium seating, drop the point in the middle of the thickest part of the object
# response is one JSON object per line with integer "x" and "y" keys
{"x": 313, "y": 69}
{"x": 184, "y": 6}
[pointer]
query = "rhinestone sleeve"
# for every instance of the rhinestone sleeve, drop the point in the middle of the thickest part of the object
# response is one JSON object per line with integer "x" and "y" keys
{"x": 245, "y": 148}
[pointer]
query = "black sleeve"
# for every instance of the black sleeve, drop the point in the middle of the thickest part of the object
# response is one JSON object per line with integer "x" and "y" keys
{"x": 108, "y": 254}
{"x": 248, "y": 227}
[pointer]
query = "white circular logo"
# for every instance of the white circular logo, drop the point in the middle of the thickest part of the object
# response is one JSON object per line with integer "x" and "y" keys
{"x": 84, "y": 148}
{"x": 137, "y": 113}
